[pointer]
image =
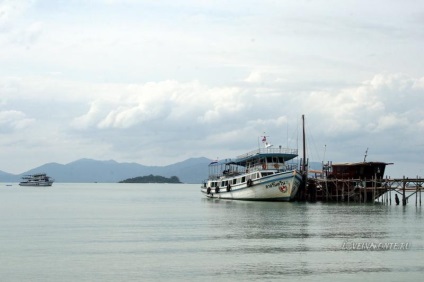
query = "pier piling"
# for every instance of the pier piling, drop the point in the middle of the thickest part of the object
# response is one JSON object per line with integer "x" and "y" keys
{"x": 403, "y": 192}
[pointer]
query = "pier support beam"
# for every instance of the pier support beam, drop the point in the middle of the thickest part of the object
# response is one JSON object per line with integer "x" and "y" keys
{"x": 416, "y": 193}
{"x": 403, "y": 192}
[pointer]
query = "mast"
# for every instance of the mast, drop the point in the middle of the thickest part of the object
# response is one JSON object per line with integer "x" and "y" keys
{"x": 304, "y": 145}
{"x": 302, "y": 189}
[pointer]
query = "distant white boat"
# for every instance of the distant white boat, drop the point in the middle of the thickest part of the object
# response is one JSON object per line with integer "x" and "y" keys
{"x": 262, "y": 174}
{"x": 39, "y": 179}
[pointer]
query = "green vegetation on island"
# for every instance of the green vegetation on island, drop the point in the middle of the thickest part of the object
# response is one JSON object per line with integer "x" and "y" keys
{"x": 151, "y": 179}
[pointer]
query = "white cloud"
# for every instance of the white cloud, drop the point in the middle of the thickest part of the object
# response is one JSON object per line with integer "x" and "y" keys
{"x": 254, "y": 77}
{"x": 391, "y": 121}
{"x": 10, "y": 10}
{"x": 29, "y": 35}
{"x": 13, "y": 120}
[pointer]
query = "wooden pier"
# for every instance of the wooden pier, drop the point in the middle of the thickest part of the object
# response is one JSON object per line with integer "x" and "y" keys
{"x": 372, "y": 190}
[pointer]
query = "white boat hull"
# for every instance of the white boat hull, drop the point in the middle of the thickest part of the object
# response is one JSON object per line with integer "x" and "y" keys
{"x": 278, "y": 187}
{"x": 36, "y": 184}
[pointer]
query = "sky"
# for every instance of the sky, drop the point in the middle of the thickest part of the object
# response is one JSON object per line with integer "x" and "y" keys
{"x": 158, "y": 82}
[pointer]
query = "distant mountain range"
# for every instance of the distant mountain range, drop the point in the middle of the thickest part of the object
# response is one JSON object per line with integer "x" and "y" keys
{"x": 194, "y": 170}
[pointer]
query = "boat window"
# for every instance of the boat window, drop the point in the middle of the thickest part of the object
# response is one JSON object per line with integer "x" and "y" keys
{"x": 234, "y": 181}
{"x": 269, "y": 159}
{"x": 243, "y": 179}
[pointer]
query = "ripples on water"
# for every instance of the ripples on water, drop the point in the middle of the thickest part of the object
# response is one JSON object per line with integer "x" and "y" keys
{"x": 147, "y": 232}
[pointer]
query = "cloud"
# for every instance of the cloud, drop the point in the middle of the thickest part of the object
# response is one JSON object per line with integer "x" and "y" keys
{"x": 378, "y": 104}
{"x": 17, "y": 29}
{"x": 14, "y": 120}
{"x": 10, "y": 10}
{"x": 169, "y": 102}
{"x": 29, "y": 35}
{"x": 375, "y": 105}
{"x": 391, "y": 121}
{"x": 254, "y": 77}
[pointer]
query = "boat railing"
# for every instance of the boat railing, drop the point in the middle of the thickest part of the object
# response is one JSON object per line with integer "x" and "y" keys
{"x": 269, "y": 151}
{"x": 216, "y": 175}
{"x": 279, "y": 168}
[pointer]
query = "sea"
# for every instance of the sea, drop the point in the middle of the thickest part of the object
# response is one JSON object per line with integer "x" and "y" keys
{"x": 170, "y": 232}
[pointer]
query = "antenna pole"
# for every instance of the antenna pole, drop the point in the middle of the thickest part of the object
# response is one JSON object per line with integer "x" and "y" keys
{"x": 304, "y": 146}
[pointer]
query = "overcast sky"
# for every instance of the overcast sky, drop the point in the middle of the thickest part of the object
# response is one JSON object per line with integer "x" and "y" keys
{"x": 157, "y": 82}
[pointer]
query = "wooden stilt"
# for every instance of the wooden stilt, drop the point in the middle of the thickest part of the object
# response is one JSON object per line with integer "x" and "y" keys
{"x": 348, "y": 193}
{"x": 403, "y": 192}
{"x": 416, "y": 193}
{"x": 337, "y": 192}
{"x": 365, "y": 195}
{"x": 373, "y": 190}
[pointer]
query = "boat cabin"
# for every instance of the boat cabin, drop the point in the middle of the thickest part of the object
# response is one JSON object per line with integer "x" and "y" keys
{"x": 251, "y": 166}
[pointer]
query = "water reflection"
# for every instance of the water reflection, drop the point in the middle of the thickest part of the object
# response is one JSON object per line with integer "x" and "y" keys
{"x": 298, "y": 231}
{"x": 271, "y": 220}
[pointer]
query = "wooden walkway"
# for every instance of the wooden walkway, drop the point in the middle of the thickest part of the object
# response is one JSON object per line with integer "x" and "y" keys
{"x": 360, "y": 191}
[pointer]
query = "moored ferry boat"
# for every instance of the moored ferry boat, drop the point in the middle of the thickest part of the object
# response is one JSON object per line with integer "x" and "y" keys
{"x": 263, "y": 174}
{"x": 39, "y": 179}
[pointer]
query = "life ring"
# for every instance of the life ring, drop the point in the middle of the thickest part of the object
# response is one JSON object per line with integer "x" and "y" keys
{"x": 228, "y": 188}
{"x": 276, "y": 166}
{"x": 249, "y": 182}
{"x": 208, "y": 191}
{"x": 283, "y": 188}
{"x": 263, "y": 166}
{"x": 217, "y": 190}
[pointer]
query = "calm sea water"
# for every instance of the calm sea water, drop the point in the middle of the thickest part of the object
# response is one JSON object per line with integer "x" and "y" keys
{"x": 153, "y": 232}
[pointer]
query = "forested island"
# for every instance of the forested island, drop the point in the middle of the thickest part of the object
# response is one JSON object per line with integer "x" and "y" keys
{"x": 152, "y": 179}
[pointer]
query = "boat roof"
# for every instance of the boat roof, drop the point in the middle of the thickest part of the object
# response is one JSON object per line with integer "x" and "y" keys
{"x": 284, "y": 153}
{"x": 360, "y": 163}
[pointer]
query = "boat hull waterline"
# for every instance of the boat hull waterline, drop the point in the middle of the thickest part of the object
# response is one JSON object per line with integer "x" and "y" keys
{"x": 49, "y": 183}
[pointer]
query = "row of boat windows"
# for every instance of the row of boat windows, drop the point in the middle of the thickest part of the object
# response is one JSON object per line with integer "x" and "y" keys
{"x": 239, "y": 180}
